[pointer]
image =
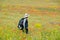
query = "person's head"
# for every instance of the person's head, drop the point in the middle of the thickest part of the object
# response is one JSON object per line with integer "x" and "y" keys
{"x": 26, "y": 15}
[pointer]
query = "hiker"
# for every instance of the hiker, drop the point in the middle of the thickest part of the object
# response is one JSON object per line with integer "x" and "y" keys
{"x": 23, "y": 23}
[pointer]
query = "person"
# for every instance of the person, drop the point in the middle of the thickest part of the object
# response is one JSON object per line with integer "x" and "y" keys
{"x": 23, "y": 23}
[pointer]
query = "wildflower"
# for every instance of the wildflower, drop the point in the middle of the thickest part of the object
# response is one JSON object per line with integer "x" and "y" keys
{"x": 38, "y": 25}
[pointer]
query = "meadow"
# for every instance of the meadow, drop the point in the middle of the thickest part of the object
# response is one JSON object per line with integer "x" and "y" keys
{"x": 44, "y": 21}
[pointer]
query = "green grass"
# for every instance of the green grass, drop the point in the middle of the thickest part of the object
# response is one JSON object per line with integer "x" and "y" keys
{"x": 48, "y": 18}
{"x": 49, "y": 9}
{"x": 9, "y": 30}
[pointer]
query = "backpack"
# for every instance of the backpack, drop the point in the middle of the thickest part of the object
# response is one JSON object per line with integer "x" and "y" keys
{"x": 20, "y": 23}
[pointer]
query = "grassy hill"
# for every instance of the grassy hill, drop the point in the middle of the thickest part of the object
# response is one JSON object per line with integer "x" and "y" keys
{"x": 37, "y": 3}
{"x": 44, "y": 19}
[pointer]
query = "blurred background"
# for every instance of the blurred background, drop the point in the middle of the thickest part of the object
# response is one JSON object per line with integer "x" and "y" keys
{"x": 44, "y": 19}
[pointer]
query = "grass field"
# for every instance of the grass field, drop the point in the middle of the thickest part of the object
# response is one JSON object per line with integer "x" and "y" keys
{"x": 44, "y": 19}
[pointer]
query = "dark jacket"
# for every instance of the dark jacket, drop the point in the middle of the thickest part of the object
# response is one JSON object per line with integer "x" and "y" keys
{"x": 26, "y": 23}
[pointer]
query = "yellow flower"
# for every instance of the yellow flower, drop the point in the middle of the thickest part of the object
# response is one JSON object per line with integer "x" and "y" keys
{"x": 38, "y": 25}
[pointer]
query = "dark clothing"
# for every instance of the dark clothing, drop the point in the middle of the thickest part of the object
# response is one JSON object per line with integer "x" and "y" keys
{"x": 26, "y": 23}
{"x": 22, "y": 26}
{"x": 21, "y": 21}
{"x": 23, "y": 29}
